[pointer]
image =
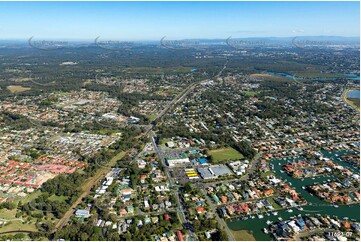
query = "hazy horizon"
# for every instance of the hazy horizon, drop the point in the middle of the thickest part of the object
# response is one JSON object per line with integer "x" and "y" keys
{"x": 157, "y": 40}
{"x": 150, "y": 21}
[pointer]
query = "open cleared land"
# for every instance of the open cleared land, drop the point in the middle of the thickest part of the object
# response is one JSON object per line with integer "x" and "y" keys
{"x": 242, "y": 235}
{"x": 13, "y": 224}
{"x": 353, "y": 102}
{"x": 14, "y": 89}
{"x": 225, "y": 154}
{"x": 317, "y": 75}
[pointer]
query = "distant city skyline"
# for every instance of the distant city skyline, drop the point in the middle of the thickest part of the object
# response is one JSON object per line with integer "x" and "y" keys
{"x": 177, "y": 20}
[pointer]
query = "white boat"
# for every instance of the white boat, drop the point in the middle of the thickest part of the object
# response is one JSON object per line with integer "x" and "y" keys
{"x": 279, "y": 218}
{"x": 289, "y": 210}
{"x": 252, "y": 217}
{"x": 260, "y": 216}
{"x": 282, "y": 171}
{"x": 268, "y": 222}
{"x": 265, "y": 231}
{"x": 279, "y": 164}
{"x": 336, "y": 206}
{"x": 275, "y": 213}
{"x": 303, "y": 187}
{"x": 300, "y": 208}
{"x": 268, "y": 214}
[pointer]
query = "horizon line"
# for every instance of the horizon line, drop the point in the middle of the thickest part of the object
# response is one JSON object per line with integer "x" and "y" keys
{"x": 158, "y": 39}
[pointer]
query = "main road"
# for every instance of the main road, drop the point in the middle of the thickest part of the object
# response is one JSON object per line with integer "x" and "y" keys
{"x": 152, "y": 136}
{"x": 149, "y": 131}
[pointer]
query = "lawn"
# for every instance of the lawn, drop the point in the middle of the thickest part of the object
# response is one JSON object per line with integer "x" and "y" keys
{"x": 268, "y": 173}
{"x": 224, "y": 154}
{"x": 152, "y": 116}
{"x": 274, "y": 204}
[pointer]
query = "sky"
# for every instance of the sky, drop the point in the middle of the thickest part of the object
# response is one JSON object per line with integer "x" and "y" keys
{"x": 177, "y": 20}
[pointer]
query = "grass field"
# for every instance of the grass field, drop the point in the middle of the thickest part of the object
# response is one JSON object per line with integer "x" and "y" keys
{"x": 250, "y": 93}
{"x": 54, "y": 198}
{"x": 270, "y": 77}
{"x": 224, "y": 154}
{"x": 119, "y": 156}
{"x": 7, "y": 214}
{"x": 16, "y": 224}
{"x": 14, "y": 89}
{"x": 242, "y": 235}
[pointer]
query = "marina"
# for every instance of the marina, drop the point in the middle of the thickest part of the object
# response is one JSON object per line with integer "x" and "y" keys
{"x": 315, "y": 206}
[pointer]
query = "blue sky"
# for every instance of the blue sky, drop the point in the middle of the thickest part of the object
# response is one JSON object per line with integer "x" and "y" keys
{"x": 176, "y": 20}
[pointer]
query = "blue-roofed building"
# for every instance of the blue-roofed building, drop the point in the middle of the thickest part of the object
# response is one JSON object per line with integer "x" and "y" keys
{"x": 82, "y": 213}
{"x": 301, "y": 223}
{"x": 203, "y": 161}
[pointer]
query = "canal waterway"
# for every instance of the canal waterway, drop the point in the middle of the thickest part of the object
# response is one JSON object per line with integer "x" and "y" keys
{"x": 315, "y": 205}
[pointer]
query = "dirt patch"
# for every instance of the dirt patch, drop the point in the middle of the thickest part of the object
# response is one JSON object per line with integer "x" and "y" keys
{"x": 261, "y": 76}
{"x": 14, "y": 89}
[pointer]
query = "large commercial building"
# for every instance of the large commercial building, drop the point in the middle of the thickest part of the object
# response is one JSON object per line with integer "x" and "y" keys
{"x": 214, "y": 171}
{"x": 173, "y": 161}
